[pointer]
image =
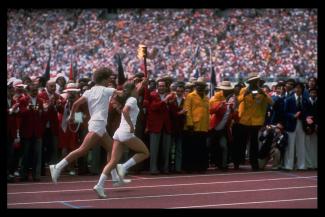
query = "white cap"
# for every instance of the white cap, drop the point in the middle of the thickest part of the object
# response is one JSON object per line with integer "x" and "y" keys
{"x": 19, "y": 83}
{"x": 11, "y": 80}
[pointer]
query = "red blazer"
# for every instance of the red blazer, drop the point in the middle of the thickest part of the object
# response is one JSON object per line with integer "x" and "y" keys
{"x": 52, "y": 114}
{"x": 31, "y": 121}
{"x": 159, "y": 114}
{"x": 217, "y": 112}
{"x": 12, "y": 121}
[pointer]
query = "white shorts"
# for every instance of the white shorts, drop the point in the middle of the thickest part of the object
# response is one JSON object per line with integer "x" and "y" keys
{"x": 98, "y": 127}
{"x": 122, "y": 136}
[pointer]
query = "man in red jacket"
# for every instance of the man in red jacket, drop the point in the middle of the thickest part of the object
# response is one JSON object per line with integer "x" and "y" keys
{"x": 13, "y": 109}
{"x": 12, "y": 128}
{"x": 159, "y": 124}
{"x": 52, "y": 104}
{"x": 221, "y": 110}
{"x": 32, "y": 119}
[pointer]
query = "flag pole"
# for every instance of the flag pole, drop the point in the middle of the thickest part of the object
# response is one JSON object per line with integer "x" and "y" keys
{"x": 211, "y": 88}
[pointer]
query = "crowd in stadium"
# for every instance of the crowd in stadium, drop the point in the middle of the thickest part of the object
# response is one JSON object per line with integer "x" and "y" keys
{"x": 272, "y": 42}
{"x": 185, "y": 127}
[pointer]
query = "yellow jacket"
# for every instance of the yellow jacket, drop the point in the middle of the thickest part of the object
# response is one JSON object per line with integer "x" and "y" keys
{"x": 251, "y": 109}
{"x": 197, "y": 112}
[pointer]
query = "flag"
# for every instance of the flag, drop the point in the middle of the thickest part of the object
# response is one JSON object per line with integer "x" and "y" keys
{"x": 196, "y": 54}
{"x": 212, "y": 81}
{"x": 120, "y": 72}
{"x": 75, "y": 70}
{"x": 71, "y": 73}
{"x": 46, "y": 76}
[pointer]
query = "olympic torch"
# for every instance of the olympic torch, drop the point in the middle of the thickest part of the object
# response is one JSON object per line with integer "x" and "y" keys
{"x": 142, "y": 54}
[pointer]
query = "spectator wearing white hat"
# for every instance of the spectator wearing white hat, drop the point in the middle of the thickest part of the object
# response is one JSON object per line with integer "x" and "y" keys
{"x": 222, "y": 106}
{"x": 12, "y": 128}
{"x": 253, "y": 104}
{"x": 67, "y": 138}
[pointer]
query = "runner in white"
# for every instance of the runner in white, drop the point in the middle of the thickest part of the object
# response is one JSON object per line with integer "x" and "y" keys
{"x": 124, "y": 134}
{"x": 97, "y": 98}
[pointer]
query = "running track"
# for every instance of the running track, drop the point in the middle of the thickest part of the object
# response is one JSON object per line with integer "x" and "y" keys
{"x": 215, "y": 189}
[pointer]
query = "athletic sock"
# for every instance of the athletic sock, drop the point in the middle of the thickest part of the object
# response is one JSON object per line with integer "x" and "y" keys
{"x": 102, "y": 180}
{"x": 61, "y": 164}
{"x": 131, "y": 162}
{"x": 115, "y": 177}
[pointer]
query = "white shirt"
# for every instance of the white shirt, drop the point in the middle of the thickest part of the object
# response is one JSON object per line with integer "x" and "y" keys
{"x": 98, "y": 98}
{"x": 297, "y": 97}
{"x": 179, "y": 100}
{"x": 33, "y": 100}
{"x": 131, "y": 102}
{"x": 162, "y": 96}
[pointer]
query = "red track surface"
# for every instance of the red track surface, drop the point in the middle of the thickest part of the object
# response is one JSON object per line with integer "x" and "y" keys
{"x": 233, "y": 189}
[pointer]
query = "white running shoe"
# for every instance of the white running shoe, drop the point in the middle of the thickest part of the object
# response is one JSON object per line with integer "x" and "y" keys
{"x": 120, "y": 171}
{"x": 120, "y": 183}
{"x": 54, "y": 173}
{"x": 100, "y": 191}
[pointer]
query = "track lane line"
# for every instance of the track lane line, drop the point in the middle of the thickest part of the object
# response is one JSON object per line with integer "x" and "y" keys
{"x": 158, "y": 186}
{"x": 140, "y": 178}
{"x": 166, "y": 195}
{"x": 245, "y": 203}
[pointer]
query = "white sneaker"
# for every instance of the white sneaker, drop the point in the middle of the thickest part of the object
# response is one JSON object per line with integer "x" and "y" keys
{"x": 100, "y": 191}
{"x": 54, "y": 173}
{"x": 121, "y": 182}
{"x": 72, "y": 173}
{"x": 120, "y": 171}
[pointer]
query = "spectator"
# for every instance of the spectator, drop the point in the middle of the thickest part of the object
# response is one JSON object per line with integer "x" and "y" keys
{"x": 274, "y": 142}
{"x": 195, "y": 153}
{"x": 31, "y": 130}
{"x": 253, "y": 103}
{"x": 159, "y": 125}
{"x": 296, "y": 109}
{"x": 178, "y": 126}
{"x": 221, "y": 110}
{"x": 311, "y": 129}
{"x": 277, "y": 114}
{"x": 52, "y": 103}
{"x": 12, "y": 129}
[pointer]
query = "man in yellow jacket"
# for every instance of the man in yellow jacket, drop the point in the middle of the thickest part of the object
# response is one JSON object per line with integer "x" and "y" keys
{"x": 253, "y": 104}
{"x": 195, "y": 154}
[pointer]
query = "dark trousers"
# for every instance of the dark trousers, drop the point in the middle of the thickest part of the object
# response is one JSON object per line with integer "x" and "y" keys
{"x": 10, "y": 153}
{"x": 195, "y": 152}
{"x": 32, "y": 155}
{"x": 50, "y": 148}
{"x": 218, "y": 147}
{"x": 238, "y": 147}
{"x": 14, "y": 156}
{"x": 244, "y": 134}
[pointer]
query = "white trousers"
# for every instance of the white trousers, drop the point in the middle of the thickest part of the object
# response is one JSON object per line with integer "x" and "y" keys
{"x": 295, "y": 148}
{"x": 311, "y": 151}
